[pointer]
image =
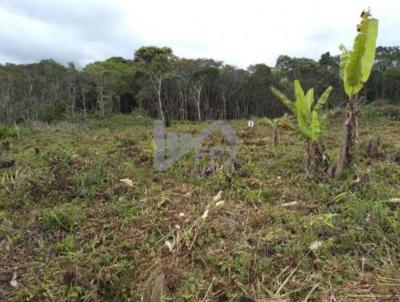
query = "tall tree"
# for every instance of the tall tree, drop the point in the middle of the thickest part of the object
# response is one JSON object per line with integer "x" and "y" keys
{"x": 72, "y": 78}
{"x": 104, "y": 81}
{"x": 155, "y": 64}
{"x": 185, "y": 71}
{"x": 392, "y": 83}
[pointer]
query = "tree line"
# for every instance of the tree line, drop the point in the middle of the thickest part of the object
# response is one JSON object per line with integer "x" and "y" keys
{"x": 165, "y": 86}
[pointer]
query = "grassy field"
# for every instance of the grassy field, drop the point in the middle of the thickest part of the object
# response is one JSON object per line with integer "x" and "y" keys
{"x": 70, "y": 230}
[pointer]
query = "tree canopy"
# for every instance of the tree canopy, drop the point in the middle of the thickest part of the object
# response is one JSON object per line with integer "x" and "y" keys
{"x": 161, "y": 84}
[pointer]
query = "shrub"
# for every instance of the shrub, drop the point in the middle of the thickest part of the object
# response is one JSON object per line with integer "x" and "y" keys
{"x": 7, "y": 132}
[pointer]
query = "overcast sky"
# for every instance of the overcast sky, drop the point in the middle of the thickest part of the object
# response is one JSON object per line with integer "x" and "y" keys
{"x": 238, "y": 32}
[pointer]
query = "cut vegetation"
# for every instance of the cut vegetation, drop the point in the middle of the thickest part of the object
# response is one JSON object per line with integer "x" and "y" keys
{"x": 85, "y": 224}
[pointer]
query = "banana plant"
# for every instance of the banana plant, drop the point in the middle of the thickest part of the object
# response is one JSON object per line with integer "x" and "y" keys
{"x": 276, "y": 123}
{"x": 309, "y": 121}
{"x": 355, "y": 69}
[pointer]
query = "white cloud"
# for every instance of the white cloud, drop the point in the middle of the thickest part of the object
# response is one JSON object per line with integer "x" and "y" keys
{"x": 237, "y": 32}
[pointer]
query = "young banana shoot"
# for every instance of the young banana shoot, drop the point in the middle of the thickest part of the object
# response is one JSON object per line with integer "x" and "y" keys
{"x": 355, "y": 69}
{"x": 309, "y": 123}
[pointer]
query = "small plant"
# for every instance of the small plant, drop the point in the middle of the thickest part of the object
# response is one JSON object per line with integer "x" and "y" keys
{"x": 12, "y": 181}
{"x": 276, "y": 123}
{"x": 66, "y": 245}
{"x": 64, "y": 218}
{"x": 355, "y": 69}
{"x": 7, "y": 132}
{"x": 309, "y": 121}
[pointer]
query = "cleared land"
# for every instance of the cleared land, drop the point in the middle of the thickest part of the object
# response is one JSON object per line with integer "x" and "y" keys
{"x": 71, "y": 231}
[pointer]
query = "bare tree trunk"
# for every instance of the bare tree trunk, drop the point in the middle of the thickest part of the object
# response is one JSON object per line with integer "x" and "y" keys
{"x": 100, "y": 97}
{"x": 157, "y": 82}
{"x": 73, "y": 109}
{"x": 198, "y": 100}
{"x": 317, "y": 161}
{"x": 101, "y": 102}
{"x": 198, "y": 110}
{"x": 6, "y": 105}
{"x": 182, "y": 101}
{"x": 224, "y": 105}
{"x": 276, "y": 137}
{"x": 185, "y": 106}
{"x": 160, "y": 105}
{"x": 72, "y": 104}
{"x": 349, "y": 146}
{"x": 32, "y": 102}
{"x": 84, "y": 104}
{"x": 72, "y": 98}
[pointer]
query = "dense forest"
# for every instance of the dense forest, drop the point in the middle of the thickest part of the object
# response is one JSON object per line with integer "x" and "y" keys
{"x": 163, "y": 85}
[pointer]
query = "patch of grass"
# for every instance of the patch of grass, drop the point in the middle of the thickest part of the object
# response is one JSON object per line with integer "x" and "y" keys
{"x": 66, "y": 245}
{"x": 66, "y": 217}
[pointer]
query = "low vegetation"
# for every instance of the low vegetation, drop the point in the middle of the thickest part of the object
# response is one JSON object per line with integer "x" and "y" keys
{"x": 70, "y": 230}
{"x": 277, "y": 123}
